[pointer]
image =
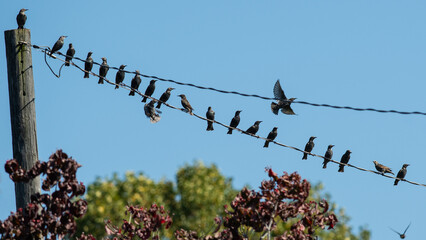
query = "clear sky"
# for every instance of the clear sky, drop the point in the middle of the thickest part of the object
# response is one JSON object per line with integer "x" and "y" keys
{"x": 356, "y": 53}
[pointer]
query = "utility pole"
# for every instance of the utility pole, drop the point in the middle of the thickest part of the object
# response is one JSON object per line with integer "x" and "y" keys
{"x": 22, "y": 110}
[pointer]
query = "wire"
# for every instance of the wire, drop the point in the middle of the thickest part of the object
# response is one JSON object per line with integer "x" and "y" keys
{"x": 249, "y": 95}
{"x": 124, "y": 86}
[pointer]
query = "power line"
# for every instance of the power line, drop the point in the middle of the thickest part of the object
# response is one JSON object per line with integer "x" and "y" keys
{"x": 124, "y": 86}
{"x": 245, "y": 94}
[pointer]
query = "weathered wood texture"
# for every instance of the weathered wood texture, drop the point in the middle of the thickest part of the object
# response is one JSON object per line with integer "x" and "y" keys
{"x": 22, "y": 109}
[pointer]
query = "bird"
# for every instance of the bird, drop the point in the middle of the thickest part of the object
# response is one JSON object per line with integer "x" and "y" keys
{"x": 21, "y": 18}
{"x": 88, "y": 65}
{"x": 210, "y": 115}
{"x": 149, "y": 90}
{"x": 119, "y": 77}
{"x": 136, "y": 81}
{"x": 345, "y": 159}
{"x": 185, "y": 104}
{"x": 283, "y": 102}
{"x": 382, "y": 168}
{"x": 271, "y": 136}
{"x": 164, "y": 97}
{"x": 253, "y": 129}
{"x": 58, "y": 45}
{"x": 150, "y": 112}
{"x": 308, "y": 147}
{"x": 70, "y": 54}
{"x": 103, "y": 70}
{"x": 401, "y": 235}
{"x": 328, "y": 155}
{"x": 401, "y": 174}
{"x": 235, "y": 121}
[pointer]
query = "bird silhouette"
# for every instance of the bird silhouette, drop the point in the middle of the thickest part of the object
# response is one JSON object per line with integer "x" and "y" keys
{"x": 283, "y": 102}
{"x": 382, "y": 168}
{"x": 401, "y": 235}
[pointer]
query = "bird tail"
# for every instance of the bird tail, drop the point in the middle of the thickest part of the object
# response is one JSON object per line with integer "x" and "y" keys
{"x": 67, "y": 63}
{"x": 86, "y": 75}
{"x": 266, "y": 144}
{"x": 210, "y": 126}
{"x": 132, "y": 93}
{"x": 305, "y": 156}
{"x": 158, "y": 105}
{"x": 101, "y": 81}
{"x": 116, "y": 87}
{"x": 155, "y": 118}
{"x": 274, "y": 108}
{"x": 144, "y": 99}
{"x": 396, "y": 182}
{"x": 229, "y": 131}
{"x": 190, "y": 112}
{"x": 341, "y": 168}
{"x": 324, "y": 164}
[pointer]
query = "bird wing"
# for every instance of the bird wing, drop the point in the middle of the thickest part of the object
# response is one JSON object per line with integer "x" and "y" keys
{"x": 395, "y": 231}
{"x": 278, "y": 91}
{"x": 407, "y": 228}
{"x": 287, "y": 110}
{"x": 274, "y": 108}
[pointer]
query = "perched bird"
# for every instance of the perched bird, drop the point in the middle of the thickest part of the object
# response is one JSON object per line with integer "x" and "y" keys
{"x": 401, "y": 174}
{"x": 283, "y": 102}
{"x": 21, "y": 18}
{"x": 150, "y": 112}
{"x": 149, "y": 90}
{"x": 119, "y": 77}
{"x": 401, "y": 235}
{"x": 210, "y": 115}
{"x": 308, "y": 147}
{"x": 136, "y": 81}
{"x": 253, "y": 129}
{"x": 185, "y": 104}
{"x": 235, "y": 121}
{"x": 328, "y": 155}
{"x": 88, "y": 65}
{"x": 271, "y": 136}
{"x": 345, "y": 159}
{"x": 164, "y": 97}
{"x": 58, "y": 45}
{"x": 70, "y": 54}
{"x": 103, "y": 70}
{"x": 382, "y": 168}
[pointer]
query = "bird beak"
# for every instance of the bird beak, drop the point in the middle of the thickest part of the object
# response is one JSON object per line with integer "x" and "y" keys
{"x": 27, "y": 9}
{"x": 125, "y": 65}
{"x": 172, "y": 89}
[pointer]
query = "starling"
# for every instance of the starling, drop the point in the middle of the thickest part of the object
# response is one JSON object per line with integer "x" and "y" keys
{"x": 21, "y": 18}
{"x": 88, "y": 65}
{"x": 328, "y": 155}
{"x": 150, "y": 112}
{"x": 164, "y": 97}
{"x": 70, "y": 54}
{"x": 210, "y": 115}
{"x": 271, "y": 136}
{"x": 283, "y": 103}
{"x": 401, "y": 235}
{"x": 345, "y": 159}
{"x": 149, "y": 90}
{"x": 103, "y": 70}
{"x": 119, "y": 77}
{"x": 58, "y": 45}
{"x": 186, "y": 104}
{"x": 308, "y": 147}
{"x": 401, "y": 174}
{"x": 382, "y": 168}
{"x": 136, "y": 81}
{"x": 253, "y": 129}
{"x": 235, "y": 121}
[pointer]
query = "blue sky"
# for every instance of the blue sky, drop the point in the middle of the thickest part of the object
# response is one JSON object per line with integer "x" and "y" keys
{"x": 357, "y": 53}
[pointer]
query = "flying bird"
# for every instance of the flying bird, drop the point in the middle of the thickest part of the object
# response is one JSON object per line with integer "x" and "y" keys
{"x": 21, "y": 18}
{"x": 345, "y": 159}
{"x": 119, "y": 77}
{"x": 308, "y": 147}
{"x": 283, "y": 102}
{"x": 150, "y": 112}
{"x": 328, "y": 155}
{"x": 401, "y": 235}
{"x": 103, "y": 70}
{"x": 382, "y": 168}
{"x": 401, "y": 174}
{"x": 271, "y": 137}
{"x": 149, "y": 90}
{"x": 253, "y": 129}
{"x": 210, "y": 115}
{"x": 58, "y": 45}
{"x": 70, "y": 54}
{"x": 185, "y": 103}
{"x": 136, "y": 81}
{"x": 164, "y": 97}
{"x": 88, "y": 65}
{"x": 235, "y": 121}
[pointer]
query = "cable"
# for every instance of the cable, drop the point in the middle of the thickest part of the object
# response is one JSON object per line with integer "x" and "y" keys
{"x": 248, "y": 95}
{"x": 124, "y": 86}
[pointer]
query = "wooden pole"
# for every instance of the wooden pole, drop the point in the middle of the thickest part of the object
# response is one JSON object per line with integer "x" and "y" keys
{"x": 22, "y": 109}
